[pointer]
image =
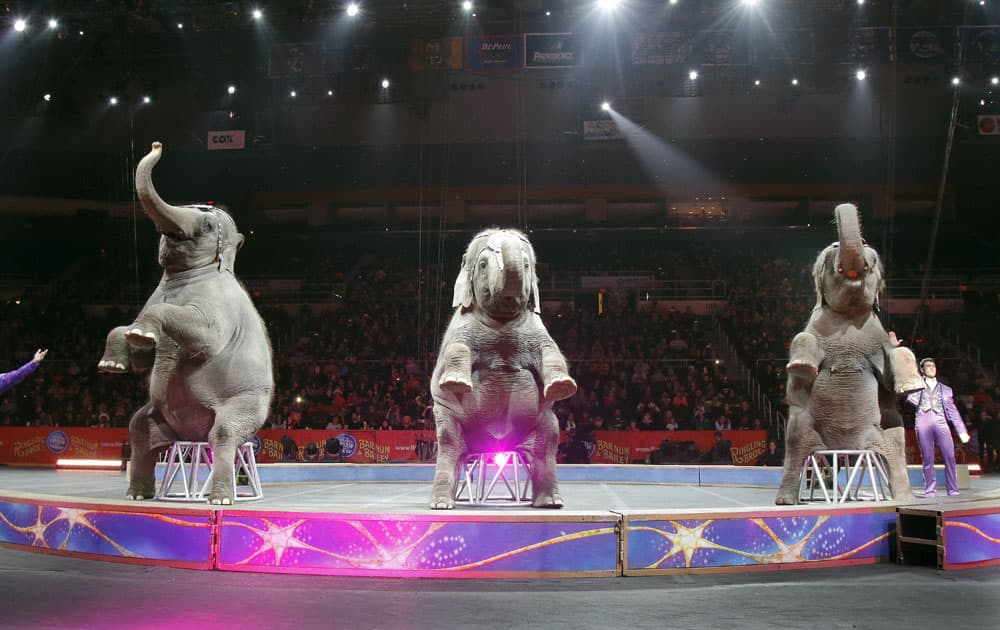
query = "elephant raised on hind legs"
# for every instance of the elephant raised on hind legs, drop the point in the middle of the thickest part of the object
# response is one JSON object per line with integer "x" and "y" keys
{"x": 845, "y": 371}
{"x": 498, "y": 371}
{"x": 211, "y": 376}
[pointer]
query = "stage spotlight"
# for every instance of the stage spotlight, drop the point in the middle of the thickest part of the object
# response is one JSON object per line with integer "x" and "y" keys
{"x": 756, "y": 81}
{"x": 20, "y": 25}
{"x": 795, "y": 81}
{"x": 750, "y": 3}
{"x": 861, "y": 1}
{"x": 257, "y": 14}
{"x": 47, "y": 97}
{"x": 113, "y": 100}
{"x": 53, "y": 23}
{"x": 231, "y": 89}
{"x": 982, "y": 102}
{"x": 693, "y": 75}
{"x": 81, "y": 33}
{"x": 606, "y": 106}
{"x": 180, "y": 26}
{"x": 329, "y": 92}
{"x": 548, "y": 13}
{"x": 352, "y": 9}
{"x": 146, "y": 100}
{"x": 861, "y": 75}
{"x": 467, "y": 6}
{"x": 994, "y": 80}
{"x": 293, "y": 94}
{"x": 608, "y": 5}
{"x": 955, "y": 80}
{"x": 673, "y": 1}
{"x": 385, "y": 84}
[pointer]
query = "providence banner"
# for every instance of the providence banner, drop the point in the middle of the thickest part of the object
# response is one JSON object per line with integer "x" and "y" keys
{"x": 551, "y": 50}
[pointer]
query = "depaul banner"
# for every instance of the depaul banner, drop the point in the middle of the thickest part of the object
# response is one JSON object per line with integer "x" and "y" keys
{"x": 551, "y": 50}
{"x": 493, "y": 51}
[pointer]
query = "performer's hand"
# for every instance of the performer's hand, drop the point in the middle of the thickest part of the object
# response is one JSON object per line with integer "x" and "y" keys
{"x": 892, "y": 338}
{"x": 964, "y": 437}
{"x": 40, "y": 354}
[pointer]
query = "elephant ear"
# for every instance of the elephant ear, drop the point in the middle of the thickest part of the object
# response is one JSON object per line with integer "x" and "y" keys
{"x": 463, "y": 286}
{"x": 819, "y": 268}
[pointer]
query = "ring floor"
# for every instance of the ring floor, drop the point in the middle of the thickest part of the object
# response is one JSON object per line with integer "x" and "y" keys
{"x": 46, "y": 591}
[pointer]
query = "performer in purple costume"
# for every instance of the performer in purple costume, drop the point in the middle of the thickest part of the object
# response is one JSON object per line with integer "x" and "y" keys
{"x": 935, "y": 409}
{"x": 10, "y": 379}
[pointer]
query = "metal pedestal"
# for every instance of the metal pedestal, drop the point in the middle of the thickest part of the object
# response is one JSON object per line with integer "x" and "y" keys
{"x": 844, "y": 475}
{"x": 494, "y": 478}
{"x": 189, "y": 471}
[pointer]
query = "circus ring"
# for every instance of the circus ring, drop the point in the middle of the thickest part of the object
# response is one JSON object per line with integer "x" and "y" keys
{"x": 372, "y": 520}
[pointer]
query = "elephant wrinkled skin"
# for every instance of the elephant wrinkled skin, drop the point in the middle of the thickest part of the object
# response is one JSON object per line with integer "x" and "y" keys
{"x": 498, "y": 371}
{"x": 845, "y": 371}
{"x": 211, "y": 377}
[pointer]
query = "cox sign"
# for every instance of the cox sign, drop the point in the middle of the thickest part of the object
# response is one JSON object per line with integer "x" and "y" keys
{"x": 230, "y": 139}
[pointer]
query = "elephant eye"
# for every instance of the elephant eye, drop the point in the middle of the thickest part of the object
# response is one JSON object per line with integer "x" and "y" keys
{"x": 482, "y": 264}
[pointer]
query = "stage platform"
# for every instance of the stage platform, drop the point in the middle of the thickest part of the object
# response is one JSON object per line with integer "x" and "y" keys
{"x": 372, "y": 520}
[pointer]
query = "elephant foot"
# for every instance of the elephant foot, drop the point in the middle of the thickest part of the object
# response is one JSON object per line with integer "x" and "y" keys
{"x": 138, "y": 339}
{"x": 220, "y": 500}
{"x": 550, "y": 500}
{"x": 560, "y": 389}
{"x": 111, "y": 367}
{"x": 140, "y": 490}
{"x": 442, "y": 502}
{"x": 787, "y": 496}
{"x": 455, "y": 383}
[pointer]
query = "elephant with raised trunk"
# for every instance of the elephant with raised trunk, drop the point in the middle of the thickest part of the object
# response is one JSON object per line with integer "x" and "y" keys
{"x": 211, "y": 377}
{"x": 498, "y": 371}
{"x": 845, "y": 371}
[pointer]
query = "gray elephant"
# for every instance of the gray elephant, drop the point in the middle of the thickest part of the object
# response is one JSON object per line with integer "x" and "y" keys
{"x": 211, "y": 376}
{"x": 845, "y": 371}
{"x": 498, "y": 371}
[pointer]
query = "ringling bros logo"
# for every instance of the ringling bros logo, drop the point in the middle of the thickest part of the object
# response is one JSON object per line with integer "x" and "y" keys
{"x": 348, "y": 445}
{"x": 56, "y": 441}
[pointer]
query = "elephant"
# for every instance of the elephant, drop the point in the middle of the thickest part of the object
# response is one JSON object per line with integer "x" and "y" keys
{"x": 211, "y": 375}
{"x": 844, "y": 371}
{"x": 498, "y": 371}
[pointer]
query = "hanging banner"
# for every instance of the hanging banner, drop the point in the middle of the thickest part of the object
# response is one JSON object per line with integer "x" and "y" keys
{"x": 983, "y": 43}
{"x": 601, "y": 130}
{"x": 866, "y": 45}
{"x": 925, "y": 44}
{"x": 551, "y": 50}
{"x": 301, "y": 59}
{"x": 720, "y": 48}
{"x": 793, "y": 46}
{"x": 444, "y": 53}
{"x": 493, "y": 51}
{"x": 660, "y": 48}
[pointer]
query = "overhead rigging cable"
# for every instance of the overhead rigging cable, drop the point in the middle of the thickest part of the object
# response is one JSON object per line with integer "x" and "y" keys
{"x": 925, "y": 283}
{"x": 888, "y": 221}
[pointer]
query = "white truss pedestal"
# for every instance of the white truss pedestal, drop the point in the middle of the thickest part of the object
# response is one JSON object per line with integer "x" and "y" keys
{"x": 494, "y": 478}
{"x": 844, "y": 475}
{"x": 189, "y": 471}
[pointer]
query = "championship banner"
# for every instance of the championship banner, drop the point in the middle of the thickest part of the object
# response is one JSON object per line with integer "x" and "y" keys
{"x": 989, "y": 125}
{"x": 660, "y": 48}
{"x": 229, "y": 139}
{"x": 983, "y": 43}
{"x": 444, "y": 53}
{"x": 925, "y": 44}
{"x": 720, "y": 48}
{"x": 793, "y": 46}
{"x": 302, "y": 59}
{"x": 551, "y": 50}
{"x": 493, "y": 51}
{"x": 601, "y": 130}
{"x": 866, "y": 45}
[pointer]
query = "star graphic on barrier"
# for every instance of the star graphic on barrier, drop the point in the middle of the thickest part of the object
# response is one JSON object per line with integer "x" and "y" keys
{"x": 280, "y": 539}
{"x": 687, "y": 540}
{"x": 38, "y": 530}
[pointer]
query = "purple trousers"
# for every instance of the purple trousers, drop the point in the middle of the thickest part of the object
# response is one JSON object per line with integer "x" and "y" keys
{"x": 932, "y": 427}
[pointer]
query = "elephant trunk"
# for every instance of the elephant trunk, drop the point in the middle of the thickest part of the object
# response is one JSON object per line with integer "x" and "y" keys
{"x": 173, "y": 220}
{"x": 513, "y": 268}
{"x": 851, "y": 257}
